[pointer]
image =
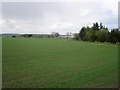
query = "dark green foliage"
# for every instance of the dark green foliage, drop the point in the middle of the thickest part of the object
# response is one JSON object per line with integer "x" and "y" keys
{"x": 101, "y": 26}
{"x": 99, "y": 33}
{"x": 114, "y": 36}
{"x": 93, "y": 36}
{"x": 88, "y": 35}
{"x": 82, "y": 33}
{"x": 95, "y": 26}
{"x": 55, "y": 34}
{"x": 13, "y": 36}
{"x": 76, "y": 36}
{"x": 102, "y": 35}
{"x": 27, "y": 35}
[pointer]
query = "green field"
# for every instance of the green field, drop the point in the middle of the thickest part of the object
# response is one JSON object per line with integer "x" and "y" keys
{"x": 58, "y": 63}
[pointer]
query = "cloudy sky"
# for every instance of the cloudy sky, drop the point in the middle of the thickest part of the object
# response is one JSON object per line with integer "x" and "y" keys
{"x": 62, "y": 17}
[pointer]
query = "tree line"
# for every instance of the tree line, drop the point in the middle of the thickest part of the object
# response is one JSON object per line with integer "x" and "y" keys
{"x": 98, "y": 32}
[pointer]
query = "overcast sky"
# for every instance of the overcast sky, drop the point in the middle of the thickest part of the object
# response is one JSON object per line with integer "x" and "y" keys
{"x": 62, "y": 17}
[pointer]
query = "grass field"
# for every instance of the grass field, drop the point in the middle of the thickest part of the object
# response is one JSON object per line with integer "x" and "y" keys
{"x": 58, "y": 63}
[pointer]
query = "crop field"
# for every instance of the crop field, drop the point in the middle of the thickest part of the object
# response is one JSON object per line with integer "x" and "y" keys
{"x": 58, "y": 63}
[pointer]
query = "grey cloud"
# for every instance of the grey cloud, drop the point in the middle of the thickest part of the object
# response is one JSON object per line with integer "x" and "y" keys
{"x": 28, "y": 10}
{"x": 39, "y": 17}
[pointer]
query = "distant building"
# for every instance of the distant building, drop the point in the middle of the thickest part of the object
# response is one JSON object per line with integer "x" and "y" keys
{"x": 70, "y": 35}
{"x": 52, "y": 35}
{"x": 63, "y": 36}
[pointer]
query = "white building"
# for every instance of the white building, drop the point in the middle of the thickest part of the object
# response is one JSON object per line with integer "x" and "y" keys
{"x": 68, "y": 35}
{"x": 63, "y": 36}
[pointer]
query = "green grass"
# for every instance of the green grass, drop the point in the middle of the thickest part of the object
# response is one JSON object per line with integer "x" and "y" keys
{"x": 58, "y": 63}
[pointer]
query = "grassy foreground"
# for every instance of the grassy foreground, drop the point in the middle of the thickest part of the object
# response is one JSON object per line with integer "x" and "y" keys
{"x": 58, "y": 63}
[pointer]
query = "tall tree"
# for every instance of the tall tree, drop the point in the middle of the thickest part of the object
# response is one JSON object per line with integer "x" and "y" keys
{"x": 95, "y": 26}
{"x": 101, "y": 26}
{"x": 76, "y": 36}
{"x": 82, "y": 33}
{"x": 114, "y": 36}
{"x": 102, "y": 35}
